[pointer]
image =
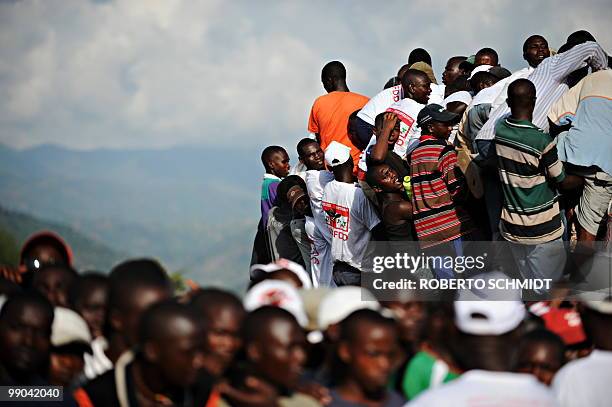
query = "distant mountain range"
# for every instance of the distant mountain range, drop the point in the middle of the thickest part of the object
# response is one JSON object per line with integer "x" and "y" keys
{"x": 89, "y": 254}
{"x": 193, "y": 208}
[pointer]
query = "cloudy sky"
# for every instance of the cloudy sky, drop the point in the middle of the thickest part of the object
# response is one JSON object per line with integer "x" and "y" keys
{"x": 158, "y": 73}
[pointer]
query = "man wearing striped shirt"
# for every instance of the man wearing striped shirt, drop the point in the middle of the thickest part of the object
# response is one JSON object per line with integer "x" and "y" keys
{"x": 528, "y": 165}
{"x": 437, "y": 185}
{"x": 549, "y": 79}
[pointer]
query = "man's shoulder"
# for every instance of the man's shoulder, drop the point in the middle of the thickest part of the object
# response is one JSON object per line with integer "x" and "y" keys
{"x": 527, "y": 132}
{"x": 101, "y": 391}
{"x": 572, "y": 370}
{"x": 407, "y": 105}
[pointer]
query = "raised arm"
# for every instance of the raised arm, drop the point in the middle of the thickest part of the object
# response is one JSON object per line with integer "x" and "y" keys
{"x": 561, "y": 65}
{"x": 380, "y": 149}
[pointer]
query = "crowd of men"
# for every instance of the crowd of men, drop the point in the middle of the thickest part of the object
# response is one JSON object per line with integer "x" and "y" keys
{"x": 489, "y": 155}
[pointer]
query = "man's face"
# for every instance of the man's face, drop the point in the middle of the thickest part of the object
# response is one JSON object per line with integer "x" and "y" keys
{"x": 41, "y": 255}
{"x": 541, "y": 360}
{"x": 395, "y": 133}
{"x": 372, "y": 356}
{"x": 142, "y": 298}
{"x": 387, "y": 179}
{"x": 312, "y": 156}
{"x": 420, "y": 89}
{"x": 451, "y": 71}
{"x": 54, "y": 283}
{"x": 410, "y": 317}
{"x": 181, "y": 355}
{"x": 440, "y": 130}
{"x": 64, "y": 368}
{"x": 485, "y": 59}
{"x": 92, "y": 307}
{"x": 536, "y": 51}
{"x": 282, "y": 353}
{"x": 25, "y": 340}
{"x": 301, "y": 206}
{"x": 222, "y": 337}
{"x": 279, "y": 164}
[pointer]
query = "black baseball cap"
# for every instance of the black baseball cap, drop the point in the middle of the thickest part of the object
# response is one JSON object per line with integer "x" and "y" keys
{"x": 434, "y": 112}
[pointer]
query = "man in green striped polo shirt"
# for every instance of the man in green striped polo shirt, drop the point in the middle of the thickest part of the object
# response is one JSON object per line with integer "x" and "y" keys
{"x": 530, "y": 172}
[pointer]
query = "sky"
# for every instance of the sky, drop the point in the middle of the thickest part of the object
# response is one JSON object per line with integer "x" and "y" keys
{"x": 159, "y": 73}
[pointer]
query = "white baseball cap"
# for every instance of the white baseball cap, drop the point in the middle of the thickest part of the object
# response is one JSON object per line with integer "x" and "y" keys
{"x": 462, "y": 96}
{"x": 257, "y": 270}
{"x": 488, "y": 317}
{"x": 341, "y": 302}
{"x": 480, "y": 68}
{"x": 337, "y": 154}
{"x": 276, "y": 293}
{"x": 597, "y": 301}
{"x": 69, "y": 327}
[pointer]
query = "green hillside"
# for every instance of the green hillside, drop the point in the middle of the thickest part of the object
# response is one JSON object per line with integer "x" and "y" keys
{"x": 90, "y": 254}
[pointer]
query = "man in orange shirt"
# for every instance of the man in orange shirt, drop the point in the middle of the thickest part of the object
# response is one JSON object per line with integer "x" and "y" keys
{"x": 330, "y": 113}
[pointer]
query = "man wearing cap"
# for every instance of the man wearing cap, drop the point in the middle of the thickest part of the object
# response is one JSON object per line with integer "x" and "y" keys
{"x": 70, "y": 340}
{"x": 437, "y": 185}
{"x": 487, "y": 332}
{"x": 349, "y": 215}
{"x": 586, "y": 381}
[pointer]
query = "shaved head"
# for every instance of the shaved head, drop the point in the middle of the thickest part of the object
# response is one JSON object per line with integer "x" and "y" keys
{"x": 334, "y": 70}
{"x": 521, "y": 88}
{"x": 521, "y": 97}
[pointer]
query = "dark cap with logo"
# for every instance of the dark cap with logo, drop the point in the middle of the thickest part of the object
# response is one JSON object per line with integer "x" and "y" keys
{"x": 436, "y": 113}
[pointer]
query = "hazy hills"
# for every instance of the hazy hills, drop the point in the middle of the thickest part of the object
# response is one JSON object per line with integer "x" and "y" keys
{"x": 193, "y": 208}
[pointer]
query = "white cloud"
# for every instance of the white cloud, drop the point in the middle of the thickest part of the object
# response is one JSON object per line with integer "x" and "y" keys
{"x": 158, "y": 73}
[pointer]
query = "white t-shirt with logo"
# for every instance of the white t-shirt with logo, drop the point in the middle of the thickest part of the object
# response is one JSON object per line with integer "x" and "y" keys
{"x": 379, "y": 103}
{"x": 315, "y": 182}
{"x": 480, "y": 388}
{"x": 407, "y": 111}
{"x": 586, "y": 381}
{"x": 350, "y": 217}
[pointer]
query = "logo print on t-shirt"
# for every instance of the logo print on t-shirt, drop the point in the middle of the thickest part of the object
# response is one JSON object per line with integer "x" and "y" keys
{"x": 406, "y": 123}
{"x": 336, "y": 216}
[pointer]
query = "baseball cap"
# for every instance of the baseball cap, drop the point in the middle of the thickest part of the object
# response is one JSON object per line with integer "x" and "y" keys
{"x": 258, "y": 271}
{"x": 312, "y": 302}
{"x": 500, "y": 72}
{"x": 342, "y": 302}
{"x": 597, "y": 301}
{"x": 488, "y": 317}
{"x": 279, "y": 294}
{"x": 462, "y": 96}
{"x": 337, "y": 154}
{"x": 69, "y": 328}
{"x": 434, "y": 112}
{"x": 480, "y": 68}
{"x": 294, "y": 194}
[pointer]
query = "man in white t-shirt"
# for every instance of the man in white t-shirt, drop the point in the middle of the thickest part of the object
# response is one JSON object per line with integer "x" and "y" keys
{"x": 587, "y": 381}
{"x": 349, "y": 216}
{"x": 364, "y": 124}
{"x": 317, "y": 231}
{"x": 416, "y": 85}
{"x": 488, "y": 331}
